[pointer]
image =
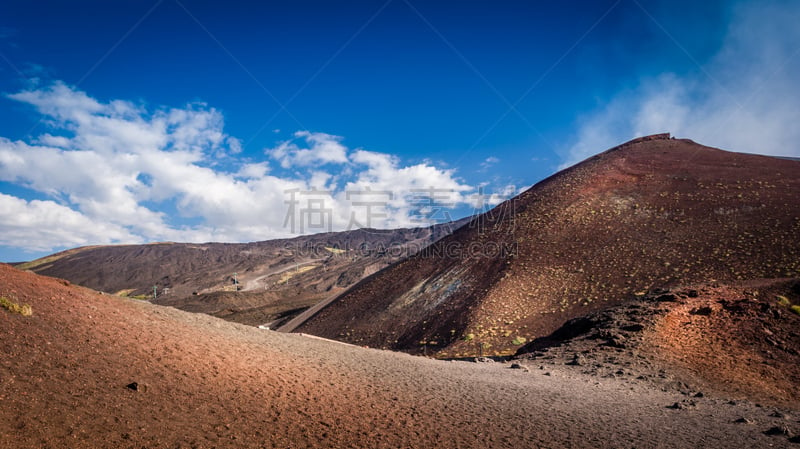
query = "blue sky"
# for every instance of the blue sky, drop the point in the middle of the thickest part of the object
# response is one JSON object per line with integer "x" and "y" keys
{"x": 142, "y": 121}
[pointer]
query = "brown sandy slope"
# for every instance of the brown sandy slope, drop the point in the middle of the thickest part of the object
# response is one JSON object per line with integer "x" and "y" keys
{"x": 276, "y": 279}
{"x": 654, "y": 212}
{"x": 203, "y": 382}
{"x": 740, "y": 341}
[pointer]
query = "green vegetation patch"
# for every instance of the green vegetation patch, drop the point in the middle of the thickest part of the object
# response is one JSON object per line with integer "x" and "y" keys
{"x": 127, "y": 294}
{"x": 38, "y": 262}
{"x": 41, "y": 263}
{"x": 11, "y": 306}
{"x": 795, "y": 309}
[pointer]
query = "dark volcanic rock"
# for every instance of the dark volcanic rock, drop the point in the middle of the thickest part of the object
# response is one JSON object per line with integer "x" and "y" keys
{"x": 778, "y": 430}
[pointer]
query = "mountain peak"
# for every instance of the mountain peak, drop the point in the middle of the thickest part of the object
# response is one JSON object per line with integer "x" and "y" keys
{"x": 663, "y": 212}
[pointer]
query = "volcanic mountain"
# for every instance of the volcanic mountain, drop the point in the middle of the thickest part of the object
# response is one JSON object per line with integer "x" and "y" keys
{"x": 656, "y": 212}
{"x": 250, "y": 283}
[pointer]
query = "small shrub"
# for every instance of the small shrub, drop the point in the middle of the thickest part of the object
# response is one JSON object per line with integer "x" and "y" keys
{"x": 11, "y": 306}
{"x": 469, "y": 337}
{"x": 519, "y": 341}
{"x": 782, "y": 300}
{"x": 795, "y": 308}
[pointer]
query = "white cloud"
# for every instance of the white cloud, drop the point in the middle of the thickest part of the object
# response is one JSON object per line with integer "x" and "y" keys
{"x": 118, "y": 173}
{"x": 43, "y": 225}
{"x": 488, "y": 162}
{"x": 60, "y": 102}
{"x": 253, "y": 170}
{"x": 746, "y": 98}
{"x": 323, "y": 148}
{"x": 418, "y": 193}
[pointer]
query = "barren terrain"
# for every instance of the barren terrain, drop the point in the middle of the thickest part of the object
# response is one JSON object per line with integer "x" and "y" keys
{"x": 251, "y": 283}
{"x": 740, "y": 341}
{"x": 91, "y": 371}
{"x": 653, "y": 213}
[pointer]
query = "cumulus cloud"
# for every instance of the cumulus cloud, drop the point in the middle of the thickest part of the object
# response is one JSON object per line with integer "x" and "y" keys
{"x": 322, "y": 148}
{"x": 117, "y": 173}
{"x": 746, "y": 98}
{"x": 421, "y": 193}
{"x": 43, "y": 225}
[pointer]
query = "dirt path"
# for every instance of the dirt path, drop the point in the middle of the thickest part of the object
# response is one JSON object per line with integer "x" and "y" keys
{"x": 253, "y": 284}
{"x": 295, "y": 322}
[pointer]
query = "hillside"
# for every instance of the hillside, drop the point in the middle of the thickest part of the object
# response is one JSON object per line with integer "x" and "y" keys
{"x": 740, "y": 340}
{"x": 86, "y": 370}
{"x": 653, "y": 213}
{"x": 251, "y": 283}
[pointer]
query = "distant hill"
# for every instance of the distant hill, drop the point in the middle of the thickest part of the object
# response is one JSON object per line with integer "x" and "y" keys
{"x": 654, "y": 212}
{"x": 251, "y": 283}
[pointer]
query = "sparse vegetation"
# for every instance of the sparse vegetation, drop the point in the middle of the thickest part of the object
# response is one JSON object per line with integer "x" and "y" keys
{"x": 784, "y": 302}
{"x": 291, "y": 273}
{"x": 519, "y": 341}
{"x": 127, "y": 294}
{"x": 41, "y": 262}
{"x": 11, "y": 306}
{"x": 38, "y": 262}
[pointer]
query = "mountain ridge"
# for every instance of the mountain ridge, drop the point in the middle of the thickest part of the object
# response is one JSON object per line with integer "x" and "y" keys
{"x": 251, "y": 283}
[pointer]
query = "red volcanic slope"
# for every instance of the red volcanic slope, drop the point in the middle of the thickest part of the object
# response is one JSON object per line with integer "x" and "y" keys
{"x": 738, "y": 340}
{"x": 653, "y": 212}
{"x": 67, "y": 377}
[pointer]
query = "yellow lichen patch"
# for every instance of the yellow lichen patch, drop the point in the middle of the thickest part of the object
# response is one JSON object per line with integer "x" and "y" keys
{"x": 125, "y": 292}
{"x": 335, "y": 250}
{"x": 291, "y": 273}
{"x": 51, "y": 258}
{"x": 39, "y": 262}
{"x": 11, "y": 306}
